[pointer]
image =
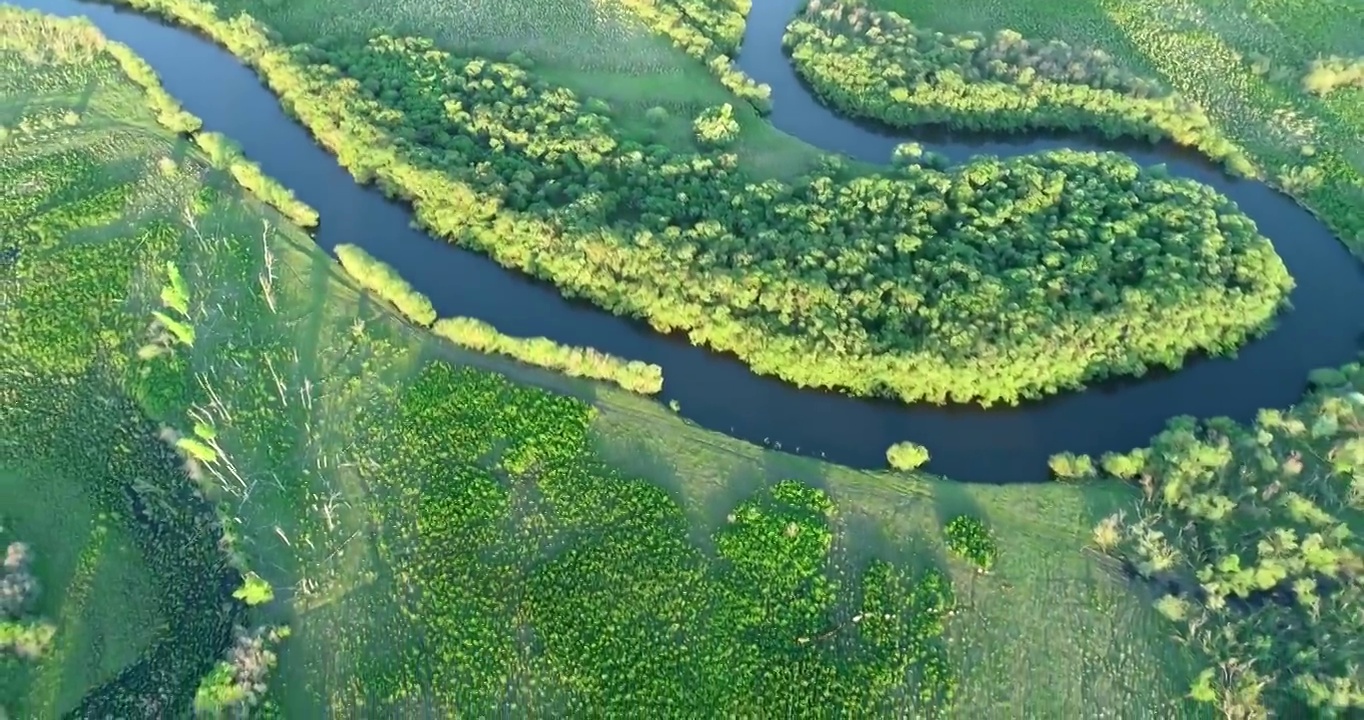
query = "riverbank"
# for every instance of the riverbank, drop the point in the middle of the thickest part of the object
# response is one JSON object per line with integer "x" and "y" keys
{"x": 999, "y": 445}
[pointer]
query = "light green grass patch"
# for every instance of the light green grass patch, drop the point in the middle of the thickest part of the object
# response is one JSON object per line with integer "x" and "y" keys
{"x": 594, "y": 47}
{"x": 101, "y": 629}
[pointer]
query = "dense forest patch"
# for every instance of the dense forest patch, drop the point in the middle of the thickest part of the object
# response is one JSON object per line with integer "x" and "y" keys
{"x": 879, "y": 65}
{"x": 1252, "y": 532}
{"x": 914, "y": 292}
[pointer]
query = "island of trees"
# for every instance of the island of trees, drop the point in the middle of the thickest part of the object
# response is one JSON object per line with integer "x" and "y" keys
{"x": 994, "y": 281}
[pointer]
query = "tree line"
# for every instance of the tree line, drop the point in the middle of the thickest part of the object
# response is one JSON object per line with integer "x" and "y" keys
{"x": 381, "y": 279}
{"x": 1253, "y": 531}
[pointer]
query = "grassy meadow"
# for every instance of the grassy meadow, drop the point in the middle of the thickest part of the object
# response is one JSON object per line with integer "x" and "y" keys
{"x": 597, "y": 48}
{"x": 445, "y": 530}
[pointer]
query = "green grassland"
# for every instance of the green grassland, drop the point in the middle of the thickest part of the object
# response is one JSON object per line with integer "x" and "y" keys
{"x": 597, "y": 48}
{"x": 94, "y": 585}
{"x": 448, "y": 530}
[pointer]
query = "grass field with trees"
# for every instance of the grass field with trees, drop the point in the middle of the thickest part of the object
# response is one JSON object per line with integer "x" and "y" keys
{"x": 277, "y": 449}
{"x": 277, "y": 495}
{"x": 1244, "y": 62}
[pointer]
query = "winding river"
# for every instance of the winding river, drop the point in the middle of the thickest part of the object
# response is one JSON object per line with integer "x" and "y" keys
{"x": 719, "y": 392}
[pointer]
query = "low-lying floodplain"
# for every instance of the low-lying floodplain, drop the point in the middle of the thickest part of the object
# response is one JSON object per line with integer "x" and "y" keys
{"x": 241, "y": 479}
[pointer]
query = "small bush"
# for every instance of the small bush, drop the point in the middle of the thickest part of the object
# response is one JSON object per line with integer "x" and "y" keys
{"x": 1069, "y": 466}
{"x": 254, "y": 590}
{"x": 656, "y": 115}
{"x": 906, "y": 455}
{"x": 716, "y": 126}
{"x": 907, "y": 154}
{"x": 1123, "y": 465}
{"x": 1324, "y": 75}
{"x": 1327, "y": 378}
{"x": 24, "y": 636}
{"x": 384, "y": 281}
{"x": 968, "y": 537}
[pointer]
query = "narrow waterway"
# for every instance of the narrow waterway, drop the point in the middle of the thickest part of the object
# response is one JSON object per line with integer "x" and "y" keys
{"x": 718, "y": 391}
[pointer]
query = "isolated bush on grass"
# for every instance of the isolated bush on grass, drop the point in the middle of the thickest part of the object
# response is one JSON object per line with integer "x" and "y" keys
{"x": 656, "y": 115}
{"x": 382, "y": 280}
{"x": 1325, "y": 75}
{"x": 906, "y": 455}
{"x": 254, "y": 590}
{"x": 968, "y": 537}
{"x": 716, "y": 125}
{"x": 635, "y": 376}
{"x": 237, "y": 684}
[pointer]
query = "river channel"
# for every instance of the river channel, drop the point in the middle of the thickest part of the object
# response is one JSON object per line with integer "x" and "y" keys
{"x": 717, "y": 391}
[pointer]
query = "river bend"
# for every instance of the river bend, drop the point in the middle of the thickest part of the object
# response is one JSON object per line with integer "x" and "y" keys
{"x": 718, "y": 391}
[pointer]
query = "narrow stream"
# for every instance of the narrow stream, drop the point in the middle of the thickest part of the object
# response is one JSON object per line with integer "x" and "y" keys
{"x": 718, "y": 391}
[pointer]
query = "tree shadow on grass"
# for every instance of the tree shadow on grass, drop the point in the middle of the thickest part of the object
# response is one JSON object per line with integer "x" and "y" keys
{"x": 172, "y": 533}
{"x": 181, "y": 148}
{"x": 86, "y": 95}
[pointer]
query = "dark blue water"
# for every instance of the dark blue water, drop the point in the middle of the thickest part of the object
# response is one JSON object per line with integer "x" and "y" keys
{"x": 718, "y": 391}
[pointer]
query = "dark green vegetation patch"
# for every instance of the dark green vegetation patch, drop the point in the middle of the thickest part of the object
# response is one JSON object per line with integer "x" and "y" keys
{"x": 969, "y": 538}
{"x": 543, "y": 579}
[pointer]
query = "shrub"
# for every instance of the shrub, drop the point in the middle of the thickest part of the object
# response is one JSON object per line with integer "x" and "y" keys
{"x": 382, "y": 280}
{"x": 237, "y": 684}
{"x": 1327, "y": 378}
{"x": 217, "y": 692}
{"x": 968, "y": 537}
{"x": 1123, "y": 465}
{"x": 906, "y": 455}
{"x": 656, "y": 115}
{"x": 254, "y": 590}
{"x": 26, "y": 637}
{"x": 29, "y": 640}
{"x": 716, "y": 125}
{"x": 635, "y": 376}
{"x": 1069, "y": 466}
{"x": 907, "y": 153}
{"x": 1324, "y": 75}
